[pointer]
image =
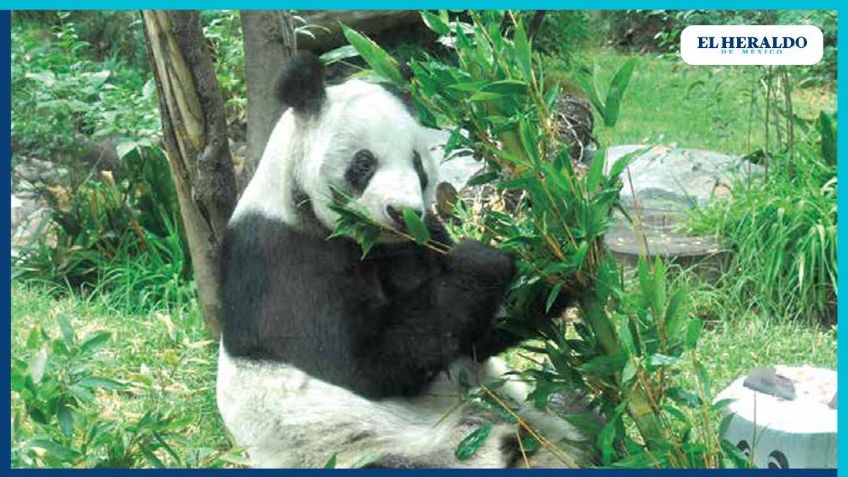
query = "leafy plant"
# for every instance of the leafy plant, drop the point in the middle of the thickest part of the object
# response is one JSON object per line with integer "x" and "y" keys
{"x": 63, "y": 413}
{"x": 123, "y": 235}
{"x": 56, "y": 382}
{"x": 62, "y": 98}
{"x": 495, "y": 100}
{"x": 782, "y": 231}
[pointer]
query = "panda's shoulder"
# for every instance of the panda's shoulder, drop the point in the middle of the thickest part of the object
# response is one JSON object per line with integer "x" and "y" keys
{"x": 256, "y": 236}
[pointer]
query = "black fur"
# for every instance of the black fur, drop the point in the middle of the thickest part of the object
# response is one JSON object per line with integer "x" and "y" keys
{"x": 383, "y": 326}
{"x": 300, "y": 84}
{"x": 423, "y": 180}
{"x": 361, "y": 170}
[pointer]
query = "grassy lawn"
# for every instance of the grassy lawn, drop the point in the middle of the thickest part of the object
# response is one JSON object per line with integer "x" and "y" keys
{"x": 670, "y": 102}
{"x": 166, "y": 362}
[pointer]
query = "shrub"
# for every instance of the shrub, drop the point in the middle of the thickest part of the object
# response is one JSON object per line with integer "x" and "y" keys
{"x": 61, "y": 98}
{"x": 121, "y": 234}
{"x": 88, "y": 399}
{"x": 782, "y": 231}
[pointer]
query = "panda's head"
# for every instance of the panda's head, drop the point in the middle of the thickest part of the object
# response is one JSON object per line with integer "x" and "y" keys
{"x": 356, "y": 137}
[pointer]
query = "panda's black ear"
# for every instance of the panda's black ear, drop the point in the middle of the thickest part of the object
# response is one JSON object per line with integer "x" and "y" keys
{"x": 300, "y": 84}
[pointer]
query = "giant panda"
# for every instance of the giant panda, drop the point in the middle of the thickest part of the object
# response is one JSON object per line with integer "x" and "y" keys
{"x": 326, "y": 354}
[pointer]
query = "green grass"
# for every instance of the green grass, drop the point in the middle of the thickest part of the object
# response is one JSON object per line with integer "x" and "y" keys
{"x": 165, "y": 364}
{"x": 670, "y": 102}
{"x": 731, "y": 348}
{"x": 737, "y": 339}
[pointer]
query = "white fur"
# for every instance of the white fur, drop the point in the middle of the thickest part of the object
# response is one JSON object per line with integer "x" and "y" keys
{"x": 356, "y": 115}
{"x": 286, "y": 418}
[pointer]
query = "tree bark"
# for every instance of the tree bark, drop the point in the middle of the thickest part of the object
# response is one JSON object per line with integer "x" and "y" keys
{"x": 195, "y": 133}
{"x": 269, "y": 39}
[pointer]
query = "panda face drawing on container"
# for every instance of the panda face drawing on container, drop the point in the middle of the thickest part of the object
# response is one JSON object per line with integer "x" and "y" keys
{"x": 324, "y": 353}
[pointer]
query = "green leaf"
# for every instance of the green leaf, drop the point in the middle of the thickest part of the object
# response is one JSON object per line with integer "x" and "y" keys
{"x": 684, "y": 397}
{"x": 552, "y": 296}
{"x": 828, "y": 138}
{"x": 596, "y": 171}
{"x": 618, "y": 86}
{"x": 528, "y": 140}
{"x": 485, "y": 96}
{"x": 736, "y": 456}
{"x": 471, "y": 87}
{"x": 523, "y": 52}
{"x": 58, "y": 451}
{"x": 657, "y": 360}
{"x": 604, "y": 364}
{"x": 693, "y": 332}
{"x": 339, "y": 54}
{"x": 435, "y": 23}
{"x": 472, "y": 442}
{"x": 67, "y": 330}
{"x": 376, "y": 57}
{"x": 66, "y": 420}
{"x": 94, "y": 382}
{"x": 95, "y": 342}
{"x": 721, "y": 404}
{"x": 506, "y": 87}
{"x": 621, "y": 163}
{"x": 481, "y": 179}
{"x": 415, "y": 226}
{"x": 151, "y": 458}
{"x": 591, "y": 90}
{"x": 628, "y": 373}
{"x": 331, "y": 462}
{"x": 125, "y": 148}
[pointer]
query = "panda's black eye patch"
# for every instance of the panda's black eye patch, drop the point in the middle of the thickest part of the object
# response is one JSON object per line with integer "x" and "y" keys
{"x": 419, "y": 169}
{"x": 361, "y": 169}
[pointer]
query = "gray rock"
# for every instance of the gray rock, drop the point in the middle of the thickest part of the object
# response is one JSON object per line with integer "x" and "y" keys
{"x": 665, "y": 178}
{"x": 660, "y": 185}
{"x": 39, "y": 171}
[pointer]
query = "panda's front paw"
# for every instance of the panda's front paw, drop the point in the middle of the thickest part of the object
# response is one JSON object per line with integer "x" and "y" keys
{"x": 493, "y": 267}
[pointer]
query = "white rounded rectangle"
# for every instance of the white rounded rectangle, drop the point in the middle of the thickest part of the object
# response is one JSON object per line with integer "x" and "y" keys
{"x": 751, "y": 45}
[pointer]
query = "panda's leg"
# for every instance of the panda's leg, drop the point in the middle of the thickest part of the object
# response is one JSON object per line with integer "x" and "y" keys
{"x": 546, "y": 423}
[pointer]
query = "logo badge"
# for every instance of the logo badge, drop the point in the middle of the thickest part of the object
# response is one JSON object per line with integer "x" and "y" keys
{"x": 751, "y": 45}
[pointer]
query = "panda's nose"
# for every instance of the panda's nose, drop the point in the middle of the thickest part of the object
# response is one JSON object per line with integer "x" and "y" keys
{"x": 397, "y": 215}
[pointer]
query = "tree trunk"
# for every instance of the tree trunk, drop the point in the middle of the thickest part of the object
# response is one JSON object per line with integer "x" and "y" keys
{"x": 269, "y": 39}
{"x": 195, "y": 132}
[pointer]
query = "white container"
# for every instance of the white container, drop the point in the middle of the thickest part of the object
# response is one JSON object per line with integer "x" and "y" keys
{"x": 783, "y": 433}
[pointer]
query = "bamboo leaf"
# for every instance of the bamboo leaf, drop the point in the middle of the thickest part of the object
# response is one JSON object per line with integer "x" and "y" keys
{"x": 596, "y": 171}
{"x": 415, "y": 226}
{"x": 693, "y": 332}
{"x": 435, "y": 23}
{"x": 472, "y": 442}
{"x": 828, "y": 138}
{"x": 618, "y": 86}
{"x": 523, "y": 51}
{"x": 528, "y": 140}
{"x": 481, "y": 179}
{"x": 67, "y": 330}
{"x": 95, "y": 342}
{"x": 376, "y": 57}
{"x": 552, "y": 296}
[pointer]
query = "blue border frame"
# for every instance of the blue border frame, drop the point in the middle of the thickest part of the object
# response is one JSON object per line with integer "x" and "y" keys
{"x": 842, "y": 102}
{"x": 425, "y": 4}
